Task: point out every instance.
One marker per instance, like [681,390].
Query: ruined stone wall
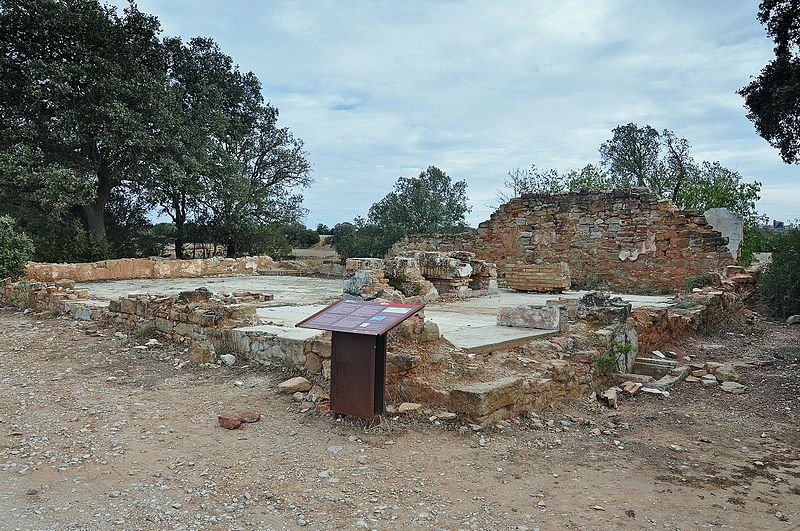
[126,268]
[622,239]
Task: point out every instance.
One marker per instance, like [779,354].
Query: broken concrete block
[546,317]
[483,398]
[793,320]
[293,385]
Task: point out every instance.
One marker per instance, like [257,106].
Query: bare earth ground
[96,434]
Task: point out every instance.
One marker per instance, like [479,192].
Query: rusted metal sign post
[358,351]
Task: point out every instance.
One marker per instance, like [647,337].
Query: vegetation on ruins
[430,203]
[641,156]
[779,284]
[103,122]
[15,249]
[773,98]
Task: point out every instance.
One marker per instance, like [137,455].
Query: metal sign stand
[358,352]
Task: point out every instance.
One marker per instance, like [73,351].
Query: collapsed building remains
[629,240]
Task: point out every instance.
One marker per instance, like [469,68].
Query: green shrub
[363,240]
[609,363]
[16,249]
[780,281]
[702,280]
[405,285]
[299,236]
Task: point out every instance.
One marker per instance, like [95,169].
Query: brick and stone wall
[126,268]
[622,239]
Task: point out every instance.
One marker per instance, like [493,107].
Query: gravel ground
[96,433]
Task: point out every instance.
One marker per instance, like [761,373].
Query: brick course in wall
[622,239]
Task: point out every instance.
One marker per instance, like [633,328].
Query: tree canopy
[773,98]
[428,203]
[661,161]
[95,105]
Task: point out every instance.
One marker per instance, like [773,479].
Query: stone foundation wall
[622,239]
[127,268]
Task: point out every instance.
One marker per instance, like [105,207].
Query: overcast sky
[379,90]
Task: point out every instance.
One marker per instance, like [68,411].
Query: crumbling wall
[622,239]
[420,275]
[126,268]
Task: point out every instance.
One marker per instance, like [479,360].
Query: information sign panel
[360,317]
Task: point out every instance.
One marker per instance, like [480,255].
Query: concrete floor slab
[469,324]
[287,290]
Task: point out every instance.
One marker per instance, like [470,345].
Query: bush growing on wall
[15,249]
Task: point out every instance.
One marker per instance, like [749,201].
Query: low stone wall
[128,268]
[622,239]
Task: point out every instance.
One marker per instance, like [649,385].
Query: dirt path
[97,434]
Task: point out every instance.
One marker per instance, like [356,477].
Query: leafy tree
[590,177]
[429,203]
[520,182]
[773,98]
[780,282]
[256,174]
[297,235]
[15,249]
[712,185]
[363,240]
[79,85]
[323,229]
[632,156]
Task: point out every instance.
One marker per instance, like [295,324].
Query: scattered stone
[631,387]
[248,417]
[230,421]
[408,407]
[659,354]
[692,379]
[201,352]
[675,448]
[317,394]
[709,380]
[32,492]
[611,396]
[704,439]
[114,494]
[734,388]
[228,359]
[446,415]
[362,459]
[793,320]
[293,385]
[726,373]
[299,396]
[430,331]
[699,373]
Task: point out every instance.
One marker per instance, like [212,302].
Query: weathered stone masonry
[622,239]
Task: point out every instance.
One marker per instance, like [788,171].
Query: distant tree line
[103,122]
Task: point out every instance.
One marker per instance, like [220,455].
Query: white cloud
[383,89]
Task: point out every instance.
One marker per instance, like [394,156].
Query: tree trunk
[95,216]
[95,213]
[180,230]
